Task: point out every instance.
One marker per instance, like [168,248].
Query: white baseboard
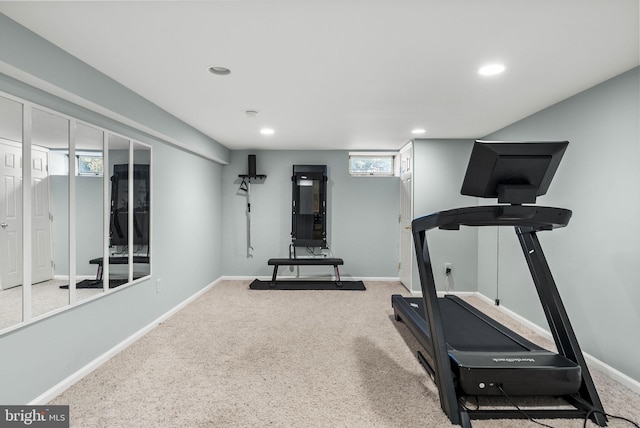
[242,278]
[611,372]
[343,277]
[59,388]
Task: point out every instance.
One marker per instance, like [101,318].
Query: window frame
[91,155]
[393,155]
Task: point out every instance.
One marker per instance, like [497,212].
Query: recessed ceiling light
[418,131]
[267,131]
[220,71]
[491,69]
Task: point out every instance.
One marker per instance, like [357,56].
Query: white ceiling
[350,74]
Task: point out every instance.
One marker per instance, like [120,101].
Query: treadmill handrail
[536,217]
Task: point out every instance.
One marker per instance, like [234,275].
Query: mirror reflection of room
[141,210]
[310,206]
[309,203]
[50,201]
[89,187]
[70,226]
[121,221]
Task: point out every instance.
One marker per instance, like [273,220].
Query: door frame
[405,264]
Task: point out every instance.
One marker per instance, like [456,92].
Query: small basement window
[90,164]
[366,164]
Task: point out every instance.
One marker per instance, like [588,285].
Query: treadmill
[467,353]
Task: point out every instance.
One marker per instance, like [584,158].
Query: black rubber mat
[307,285]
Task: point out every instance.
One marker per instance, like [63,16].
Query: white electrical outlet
[158,285]
[447,268]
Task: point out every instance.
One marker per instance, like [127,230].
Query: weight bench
[116,260]
[335,262]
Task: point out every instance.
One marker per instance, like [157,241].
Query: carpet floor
[236,357]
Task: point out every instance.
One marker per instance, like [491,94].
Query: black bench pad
[303,262]
[116,260]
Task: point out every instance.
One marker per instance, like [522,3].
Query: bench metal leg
[338,281]
[273,277]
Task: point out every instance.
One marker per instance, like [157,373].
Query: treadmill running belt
[466,331]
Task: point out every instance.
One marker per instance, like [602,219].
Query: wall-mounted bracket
[249,177]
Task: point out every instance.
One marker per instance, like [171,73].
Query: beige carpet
[46,296]
[250,358]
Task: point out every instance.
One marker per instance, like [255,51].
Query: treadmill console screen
[513,172]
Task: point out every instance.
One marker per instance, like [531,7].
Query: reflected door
[406,214]
[10,215]
[42,263]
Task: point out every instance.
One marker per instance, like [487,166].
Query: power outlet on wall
[158,285]
[447,269]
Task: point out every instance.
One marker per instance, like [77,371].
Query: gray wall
[595,258]
[439,167]
[362,215]
[186,223]
[73,338]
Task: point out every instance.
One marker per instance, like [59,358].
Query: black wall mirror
[309,206]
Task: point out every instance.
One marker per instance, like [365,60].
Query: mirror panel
[49,212]
[90,202]
[10,212]
[89,211]
[118,269]
[141,210]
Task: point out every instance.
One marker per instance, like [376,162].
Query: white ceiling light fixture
[267,131]
[491,69]
[418,131]
[219,71]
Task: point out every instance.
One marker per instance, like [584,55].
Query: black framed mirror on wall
[309,206]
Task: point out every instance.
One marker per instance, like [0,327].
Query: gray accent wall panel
[186,256]
[439,168]
[595,258]
[362,226]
